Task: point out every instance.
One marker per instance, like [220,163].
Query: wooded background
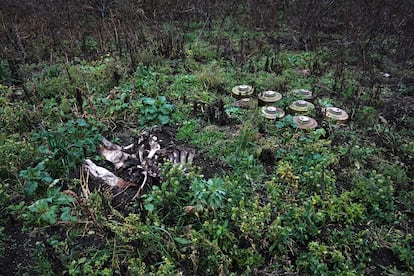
[36,30]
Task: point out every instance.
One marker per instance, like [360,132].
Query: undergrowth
[321,202]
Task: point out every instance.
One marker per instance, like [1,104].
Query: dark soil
[397,110]
[210,168]
[381,258]
[18,247]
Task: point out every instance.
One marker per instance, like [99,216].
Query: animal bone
[141,162]
[190,157]
[141,153]
[183,156]
[109,145]
[176,156]
[142,185]
[116,157]
[143,136]
[154,146]
[106,176]
[128,147]
[114,154]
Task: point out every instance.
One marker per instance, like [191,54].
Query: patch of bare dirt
[18,248]
[397,110]
[382,258]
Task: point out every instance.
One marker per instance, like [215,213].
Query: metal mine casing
[336,114]
[303,94]
[242,91]
[244,103]
[305,122]
[268,97]
[272,112]
[301,106]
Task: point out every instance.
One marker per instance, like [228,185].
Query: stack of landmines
[141,161]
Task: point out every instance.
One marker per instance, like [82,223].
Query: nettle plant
[155,110]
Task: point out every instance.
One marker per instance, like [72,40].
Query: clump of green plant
[192,133]
[201,51]
[209,193]
[155,111]
[16,118]
[273,82]
[405,250]
[376,192]
[16,153]
[93,262]
[155,241]
[211,75]
[322,259]
[147,81]
[3,240]
[41,263]
[252,217]
[5,76]
[147,57]
[56,206]
[187,87]
[35,177]
[65,147]
[171,195]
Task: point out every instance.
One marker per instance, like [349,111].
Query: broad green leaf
[50,215]
[182,241]
[39,206]
[166,109]
[149,207]
[149,101]
[47,178]
[40,166]
[164,119]
[30,187]
[82,260]
[66,214]
[64,199]
[82,122]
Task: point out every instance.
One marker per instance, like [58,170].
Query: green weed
[155,111]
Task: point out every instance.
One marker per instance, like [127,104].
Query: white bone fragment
[154,146]
[106,176]
[190,157]
[145,173]
[101,173]
[176,156]
[109,145]
[128,147]
[116,157]
[183,156]
[141,153]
